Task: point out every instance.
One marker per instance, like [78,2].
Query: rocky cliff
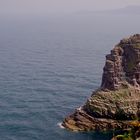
[116,102]
[123,64]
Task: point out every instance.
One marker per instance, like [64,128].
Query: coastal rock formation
[116,102]
[123,64]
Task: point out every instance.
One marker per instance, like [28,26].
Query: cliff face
[123,64]
[117,100]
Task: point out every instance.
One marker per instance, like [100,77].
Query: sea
[49,66]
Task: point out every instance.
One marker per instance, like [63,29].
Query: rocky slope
[117,101]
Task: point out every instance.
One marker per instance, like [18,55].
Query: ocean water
[49,66]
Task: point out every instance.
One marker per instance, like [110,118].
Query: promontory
[117,100]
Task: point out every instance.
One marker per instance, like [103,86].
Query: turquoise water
[49,67]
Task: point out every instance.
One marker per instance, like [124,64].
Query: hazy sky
[60,6]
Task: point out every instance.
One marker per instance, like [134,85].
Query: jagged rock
[117,100]
[123,64]
[81,121]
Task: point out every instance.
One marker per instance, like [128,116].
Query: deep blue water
[49,66]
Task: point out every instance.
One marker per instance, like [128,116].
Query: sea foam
[60,125]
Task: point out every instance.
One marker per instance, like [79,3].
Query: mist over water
[49,66]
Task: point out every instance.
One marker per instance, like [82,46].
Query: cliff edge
[117,100]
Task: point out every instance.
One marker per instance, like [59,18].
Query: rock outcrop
[123,64]
[116,102]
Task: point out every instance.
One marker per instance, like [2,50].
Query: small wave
[60,125]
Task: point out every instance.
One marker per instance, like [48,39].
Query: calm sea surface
[49,67]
